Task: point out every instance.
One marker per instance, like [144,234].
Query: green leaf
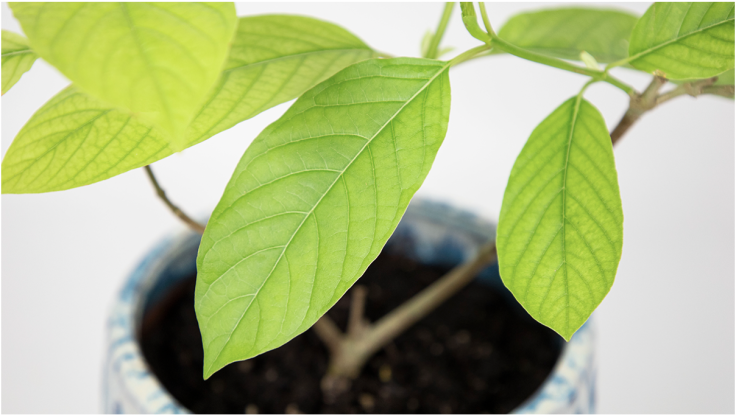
[312,202]
[684,40]
[17,58]
[74,140]
[589,60]
[560,231]
[273,59]
[155,59]
[565,32]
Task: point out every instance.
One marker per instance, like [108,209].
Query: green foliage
[158,60]
[560,231]
[684,40]
[74,140]
[312,202]
[564,33]
[274,59]
[69,142]
[17,59]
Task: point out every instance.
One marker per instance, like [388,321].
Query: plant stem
[639,104]
[469,54]
[196,226]
[559,64]
[435,43]
[486,22]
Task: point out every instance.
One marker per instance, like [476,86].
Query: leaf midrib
[575,111]
[18,52]
[311,211]
[669,42]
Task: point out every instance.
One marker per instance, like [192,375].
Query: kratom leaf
[155,59]
[74,140]
[273,59]
[312,202]
[17,58]
[684,40]
[560,231]
[566,32]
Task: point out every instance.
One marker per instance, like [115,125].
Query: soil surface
[474,354]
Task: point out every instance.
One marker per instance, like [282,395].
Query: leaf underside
[17,59]
[684,40]
[560,231]
[69,142]
[155,59]
[566,32]
[312,202]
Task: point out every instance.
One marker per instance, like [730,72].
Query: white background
[666,330]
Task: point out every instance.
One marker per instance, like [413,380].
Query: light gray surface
[666,328]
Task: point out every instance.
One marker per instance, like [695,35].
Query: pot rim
[575,366]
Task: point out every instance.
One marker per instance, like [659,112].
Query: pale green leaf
[589,60]
[312,202]
[560,231]
[74,140]
[273,59]
[566,32]
[17,58]
[155,59]
[684,40]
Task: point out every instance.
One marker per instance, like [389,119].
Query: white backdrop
[666,330]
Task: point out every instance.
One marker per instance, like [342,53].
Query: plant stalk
[437,38]
[560,64]
[194,225]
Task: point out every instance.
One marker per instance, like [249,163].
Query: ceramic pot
[430,232]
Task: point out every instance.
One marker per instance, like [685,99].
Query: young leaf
[589,60]
[560,231]
[74,140]
[564,33]
[684,40]
[17,59]
[156,59]
[273,59]
[312,202]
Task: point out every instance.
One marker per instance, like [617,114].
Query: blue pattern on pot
[430,232]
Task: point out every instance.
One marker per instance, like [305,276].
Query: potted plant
[558,243]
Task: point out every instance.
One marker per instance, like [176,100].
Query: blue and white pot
[430,232]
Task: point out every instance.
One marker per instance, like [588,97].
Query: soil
[477,353]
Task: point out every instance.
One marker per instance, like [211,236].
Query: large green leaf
[74,140]
[155,59]
[273,59]
[684,40]
[312,202]
[566,32]
[17,58]
[560,231]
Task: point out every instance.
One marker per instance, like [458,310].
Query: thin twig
[356,322]
[328,332]
[650,98]
[196,226]
[638,105]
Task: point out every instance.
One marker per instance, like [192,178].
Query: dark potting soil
[474,354]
